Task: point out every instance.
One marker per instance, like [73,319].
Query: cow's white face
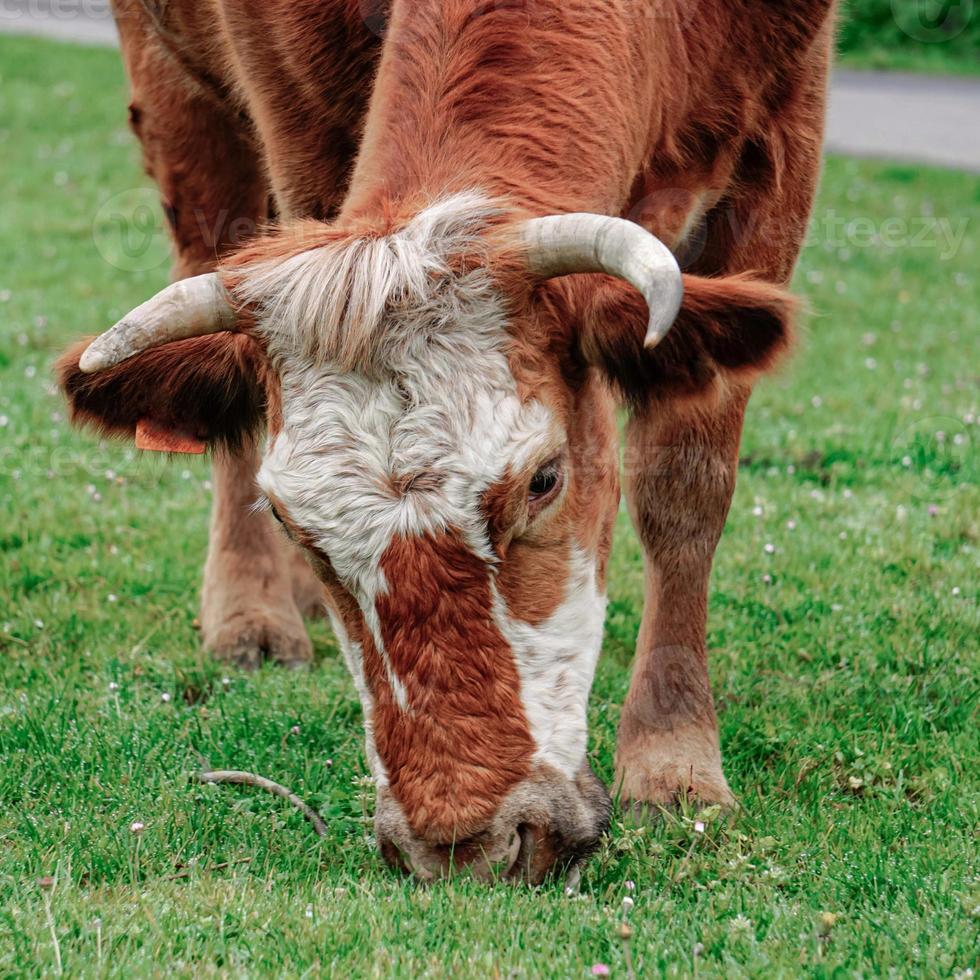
[455,496]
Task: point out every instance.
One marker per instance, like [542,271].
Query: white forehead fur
[399,410]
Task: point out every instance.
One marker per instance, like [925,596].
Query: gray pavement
[918,118]
[895,116]
[81,21]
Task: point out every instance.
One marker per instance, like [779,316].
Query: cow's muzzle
[542,827]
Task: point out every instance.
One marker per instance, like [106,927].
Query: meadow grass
[844,656]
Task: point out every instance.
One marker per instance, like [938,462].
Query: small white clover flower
[137,827]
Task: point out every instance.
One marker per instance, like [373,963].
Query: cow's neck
[529,102]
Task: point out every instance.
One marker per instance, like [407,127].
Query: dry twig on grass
[251,779]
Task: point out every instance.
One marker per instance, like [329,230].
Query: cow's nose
[483,858]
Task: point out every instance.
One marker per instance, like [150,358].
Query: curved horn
[188,308]
[560,245]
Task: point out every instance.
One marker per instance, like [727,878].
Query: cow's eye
[546,482]
[278,517]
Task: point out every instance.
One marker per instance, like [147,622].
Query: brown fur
[217,388]
[734,327]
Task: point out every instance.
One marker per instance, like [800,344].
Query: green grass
[846,684]
[938,36]
[922,59]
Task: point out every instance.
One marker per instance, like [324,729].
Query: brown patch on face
[582,403]
[463,742]
[533,580]
[533,572]
[594,492]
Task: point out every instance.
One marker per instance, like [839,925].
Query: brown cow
[437,388]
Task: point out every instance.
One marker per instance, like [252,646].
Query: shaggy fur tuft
[347,303]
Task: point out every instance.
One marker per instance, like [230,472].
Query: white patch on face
[556,663]
[406,442]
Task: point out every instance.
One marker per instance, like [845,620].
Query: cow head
[441,441]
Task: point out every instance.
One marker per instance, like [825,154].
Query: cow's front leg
[680,474]
[249,605]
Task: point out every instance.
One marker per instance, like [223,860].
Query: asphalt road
[82,21]
[916,118]
[919,118]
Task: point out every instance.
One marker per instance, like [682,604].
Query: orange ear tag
[159,440]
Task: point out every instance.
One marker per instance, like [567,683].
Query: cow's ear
[732,326]
[217,389]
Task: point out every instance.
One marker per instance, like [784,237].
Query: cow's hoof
[644,797]
[649,779]
[247,639]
